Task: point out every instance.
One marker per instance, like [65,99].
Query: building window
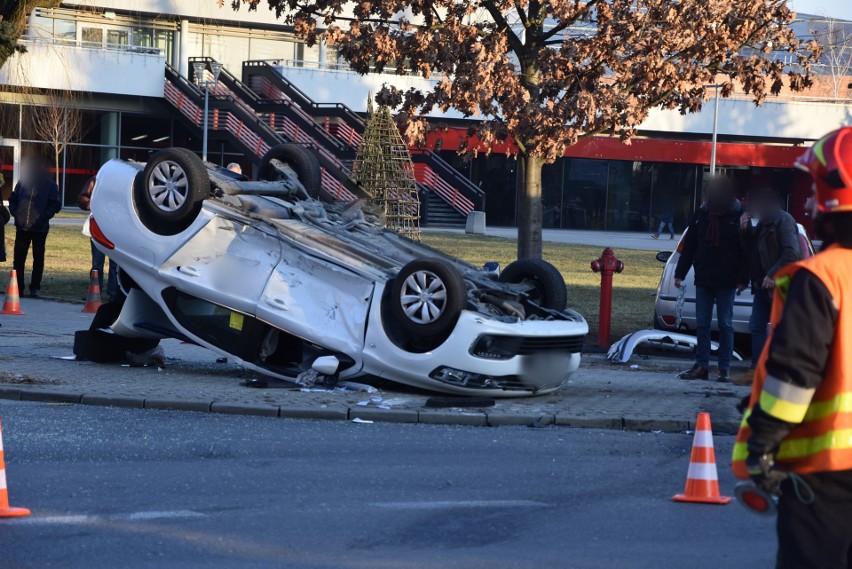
[92,37]
[117,37]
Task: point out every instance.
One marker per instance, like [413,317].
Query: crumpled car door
[227,262]
[318,301]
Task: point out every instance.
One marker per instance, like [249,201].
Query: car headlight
[496,347]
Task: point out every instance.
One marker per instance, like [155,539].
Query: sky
[841,9]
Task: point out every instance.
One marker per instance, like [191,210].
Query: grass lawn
[68,259]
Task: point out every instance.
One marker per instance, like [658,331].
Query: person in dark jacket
[772,243]
[33,203]
[5,216]
[713,246]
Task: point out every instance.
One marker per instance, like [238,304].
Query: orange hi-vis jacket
[822,441]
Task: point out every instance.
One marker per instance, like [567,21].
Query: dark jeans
[723,299]
[759,321]
[817,535]
[98,262]
[23,239]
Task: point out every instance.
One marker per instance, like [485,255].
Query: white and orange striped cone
[702,480]
[12,302]
[5,510]
[93,296]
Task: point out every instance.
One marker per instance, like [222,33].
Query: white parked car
[674,308]
[268,275]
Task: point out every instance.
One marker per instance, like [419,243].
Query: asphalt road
[142,488]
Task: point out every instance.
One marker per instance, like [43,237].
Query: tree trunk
[529,207]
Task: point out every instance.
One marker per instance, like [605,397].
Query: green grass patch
[73,214]
[68,260]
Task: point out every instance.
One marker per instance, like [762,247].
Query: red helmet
[829,162]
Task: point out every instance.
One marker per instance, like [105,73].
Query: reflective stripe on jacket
[822,441]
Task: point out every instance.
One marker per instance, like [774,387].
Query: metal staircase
[231,117]
[433,173]
[264,109]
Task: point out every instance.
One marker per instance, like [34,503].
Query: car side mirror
[326,365]
[664,256]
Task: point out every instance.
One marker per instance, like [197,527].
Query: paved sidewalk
[646,397]
[614,239]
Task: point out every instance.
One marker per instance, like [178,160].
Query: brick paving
[600,394]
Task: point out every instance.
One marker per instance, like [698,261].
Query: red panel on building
[653,150]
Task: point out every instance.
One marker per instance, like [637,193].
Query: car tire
[169,192]
[550,290]
[302,160]
[428,319]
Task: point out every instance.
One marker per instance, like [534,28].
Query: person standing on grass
[33,203]
[98,258]
[713,246]
[772,242]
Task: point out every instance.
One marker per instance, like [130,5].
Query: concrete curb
[451,416]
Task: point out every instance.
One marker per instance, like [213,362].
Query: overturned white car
[266,274]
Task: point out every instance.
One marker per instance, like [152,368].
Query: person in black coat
[33,203]
[714,248]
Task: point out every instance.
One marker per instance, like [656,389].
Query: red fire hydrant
[606,266]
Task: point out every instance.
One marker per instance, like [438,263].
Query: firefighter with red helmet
[795,439]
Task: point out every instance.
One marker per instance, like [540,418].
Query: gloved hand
[761,469]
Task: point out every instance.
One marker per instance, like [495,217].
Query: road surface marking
[447,504]
[80,519]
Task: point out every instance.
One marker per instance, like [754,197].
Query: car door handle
[190,271]
[278,303]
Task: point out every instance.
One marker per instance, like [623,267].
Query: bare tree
[59,124]
[548,73]
[835,37]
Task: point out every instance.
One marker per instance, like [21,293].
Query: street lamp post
[199,67]
[715,130]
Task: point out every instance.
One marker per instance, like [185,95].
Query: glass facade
[103,135]
[230,45]
[610,195]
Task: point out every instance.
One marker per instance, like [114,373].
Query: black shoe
[33,293]
[695,372]
[724,376]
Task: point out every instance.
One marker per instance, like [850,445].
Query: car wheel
[169,192]
[549,290]
[427,298]
[302,160]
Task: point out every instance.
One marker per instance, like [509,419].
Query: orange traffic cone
[12,303]
[702,480]
[93,296]
[5,510]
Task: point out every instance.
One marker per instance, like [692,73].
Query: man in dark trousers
[772,240]
[34,202]
[713,246]
[795,439]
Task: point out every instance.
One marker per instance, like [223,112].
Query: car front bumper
[452,367]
